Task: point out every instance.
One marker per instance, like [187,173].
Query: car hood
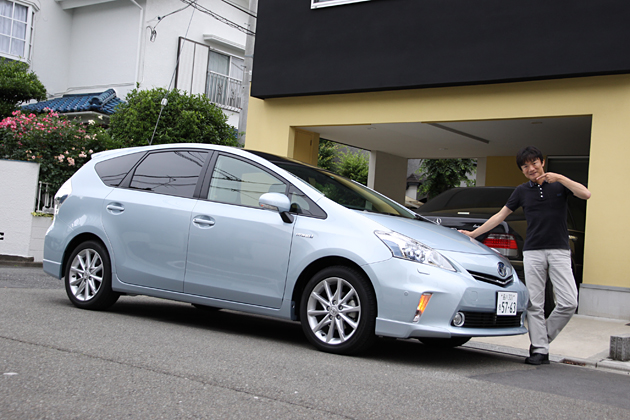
[437,237]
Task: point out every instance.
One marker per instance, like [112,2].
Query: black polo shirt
[545,208]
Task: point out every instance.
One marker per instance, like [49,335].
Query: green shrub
[185,118]
[59,145]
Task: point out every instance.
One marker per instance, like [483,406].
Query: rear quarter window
[113,171]
[172,172]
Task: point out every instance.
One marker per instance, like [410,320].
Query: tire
[88,278]
[444,343]
[338,311]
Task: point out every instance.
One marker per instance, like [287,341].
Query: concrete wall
[18,187]
[39,227]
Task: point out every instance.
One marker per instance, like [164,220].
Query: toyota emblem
[502,269]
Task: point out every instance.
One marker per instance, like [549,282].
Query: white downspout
[140,31]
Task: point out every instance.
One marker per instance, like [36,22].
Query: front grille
[491,279]
[491,320]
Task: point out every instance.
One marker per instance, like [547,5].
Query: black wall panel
[401,44]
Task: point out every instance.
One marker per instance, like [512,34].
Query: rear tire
[88,277]
[338,311]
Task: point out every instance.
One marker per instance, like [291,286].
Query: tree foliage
[351,164]
[326,155]
[443,174]
[354,165]
[185,118]
[17,85]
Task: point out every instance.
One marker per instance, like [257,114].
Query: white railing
[45,198]
[224,91]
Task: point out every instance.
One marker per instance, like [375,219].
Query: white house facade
[86,46]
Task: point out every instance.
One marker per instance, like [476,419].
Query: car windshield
[343,191]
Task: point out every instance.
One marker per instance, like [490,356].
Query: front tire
[88,278]
[338,311]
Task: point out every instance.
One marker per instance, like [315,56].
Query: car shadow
[396,351]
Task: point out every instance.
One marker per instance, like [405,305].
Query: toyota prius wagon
[226,228]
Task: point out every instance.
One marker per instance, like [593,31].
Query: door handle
[115,208]
[203,221]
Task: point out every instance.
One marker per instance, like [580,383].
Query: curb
[17,261]
[609,364]
[24,264]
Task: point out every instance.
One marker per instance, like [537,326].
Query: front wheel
[88,278]
[338,311]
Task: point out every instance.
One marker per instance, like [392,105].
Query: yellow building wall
[501,171]
[271,125]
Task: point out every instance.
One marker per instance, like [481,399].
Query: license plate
[506,303]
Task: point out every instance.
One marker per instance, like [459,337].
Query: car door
[238,251]
[147,219]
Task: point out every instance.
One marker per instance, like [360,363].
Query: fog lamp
[422,305]
[459,319]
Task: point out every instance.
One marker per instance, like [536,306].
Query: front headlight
[409,249]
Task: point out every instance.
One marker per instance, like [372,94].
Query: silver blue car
[225,228]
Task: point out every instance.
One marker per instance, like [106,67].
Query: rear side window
[172,172]
[113,171]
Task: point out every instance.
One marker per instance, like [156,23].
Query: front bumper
[399,285]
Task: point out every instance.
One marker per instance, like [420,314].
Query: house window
[15,29]
[223,83]
[325,3]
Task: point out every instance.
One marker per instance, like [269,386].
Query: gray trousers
[556,263]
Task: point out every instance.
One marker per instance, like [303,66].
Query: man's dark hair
[528,154]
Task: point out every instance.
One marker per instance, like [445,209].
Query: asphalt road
[148,358]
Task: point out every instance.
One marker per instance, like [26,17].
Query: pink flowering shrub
[59,145]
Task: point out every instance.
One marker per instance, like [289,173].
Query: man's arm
[579,190]
[490,224]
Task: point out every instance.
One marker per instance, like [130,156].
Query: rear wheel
[338,311]
[88,277]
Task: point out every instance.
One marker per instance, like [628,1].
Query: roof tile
[103,102]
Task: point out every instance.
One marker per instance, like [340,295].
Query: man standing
[546,250]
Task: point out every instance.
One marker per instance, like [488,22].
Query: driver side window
[237,182]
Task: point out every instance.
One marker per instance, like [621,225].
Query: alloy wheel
[86,275]
[333,310]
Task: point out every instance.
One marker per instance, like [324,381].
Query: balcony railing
[224,91]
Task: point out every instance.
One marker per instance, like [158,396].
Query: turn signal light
[422,305]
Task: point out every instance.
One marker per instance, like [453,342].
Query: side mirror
[277,202]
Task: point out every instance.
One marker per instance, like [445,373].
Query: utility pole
[247,73]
